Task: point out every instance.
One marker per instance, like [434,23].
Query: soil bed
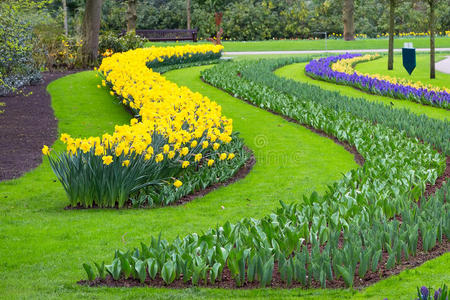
[28,123]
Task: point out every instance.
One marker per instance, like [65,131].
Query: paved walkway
[444,65]
[323,51]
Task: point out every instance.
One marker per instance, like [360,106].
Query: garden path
[444,65]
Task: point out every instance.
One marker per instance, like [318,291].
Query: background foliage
[17,67]
[267,19]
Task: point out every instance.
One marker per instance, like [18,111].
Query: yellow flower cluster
[181,116]
[347,66]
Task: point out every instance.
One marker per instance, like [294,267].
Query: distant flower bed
[339,69]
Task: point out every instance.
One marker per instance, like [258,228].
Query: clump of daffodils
[174,125]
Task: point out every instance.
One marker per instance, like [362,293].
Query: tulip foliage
[349,231]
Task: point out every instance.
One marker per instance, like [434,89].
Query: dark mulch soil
[228,282]
[27,124]
[240,174]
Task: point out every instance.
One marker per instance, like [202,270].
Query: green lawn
[297,72]
[286,45]
[421,72]
[43,246]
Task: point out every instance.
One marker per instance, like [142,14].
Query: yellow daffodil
[159,157]
[177,183]
[45,150]
[107,160]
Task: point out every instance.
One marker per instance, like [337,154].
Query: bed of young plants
[339,69]
[178,142]
[391,210]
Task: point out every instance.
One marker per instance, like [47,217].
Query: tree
[432,21]
[217,6]
[188,13]
[131,16]
[66,27]
[348,18]
[392,4]
[91,29]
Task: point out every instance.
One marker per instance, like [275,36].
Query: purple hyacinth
[322,68]
[424,291]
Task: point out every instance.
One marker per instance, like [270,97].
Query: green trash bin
[409,57]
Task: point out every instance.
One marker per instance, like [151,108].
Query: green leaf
[153,267]
[348,277]
[114,269]
[101,270]
[168,272]
[375,259]
[214,272]
[126,267]
[141,270]
[89,271]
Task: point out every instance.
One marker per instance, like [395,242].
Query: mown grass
[292,45]
[297,72]
[43,245]
[421,72]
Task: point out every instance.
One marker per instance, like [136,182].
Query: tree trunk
[91,29]
[131,16]
[349,26]
[188,13]
[432,46]
[391,34]
[66,27]
[218,18]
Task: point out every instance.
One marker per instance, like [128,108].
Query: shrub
[17,67]
[110,42]
[53,50]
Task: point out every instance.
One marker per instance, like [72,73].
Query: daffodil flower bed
[178,142]
[339,69]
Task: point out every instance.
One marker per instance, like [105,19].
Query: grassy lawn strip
[421,72]
[292,45]
[44,245]
[297,72]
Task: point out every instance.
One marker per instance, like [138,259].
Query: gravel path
[330,51]
[444,65]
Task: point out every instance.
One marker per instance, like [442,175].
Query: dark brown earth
[27,124]
[228,282]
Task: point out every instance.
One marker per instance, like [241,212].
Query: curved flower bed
[326,69]
[347,66]
[350,234]
[178,142]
